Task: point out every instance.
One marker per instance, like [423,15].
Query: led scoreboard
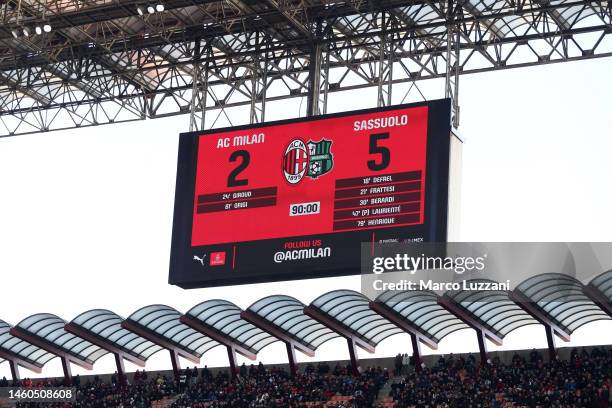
[295,199]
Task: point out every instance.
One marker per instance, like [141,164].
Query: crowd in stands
[582,381]
[531,381]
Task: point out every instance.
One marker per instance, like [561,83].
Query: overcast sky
[86,214]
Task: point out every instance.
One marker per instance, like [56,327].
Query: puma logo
[200,260]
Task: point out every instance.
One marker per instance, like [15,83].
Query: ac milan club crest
[313,160]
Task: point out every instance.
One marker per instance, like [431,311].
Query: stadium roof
[561,299]
[351,310]
[493,309]
[105,61]
[421,310]
[47,331]
[287,315]
[560,302]
[12,347]
[599,290]
[105,326]
[162,324]
[221,318]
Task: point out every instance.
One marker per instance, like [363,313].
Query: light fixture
[47,28]
[150,9]
[139,10]
[26,31]
[38,30]
[160,7]
[15,33]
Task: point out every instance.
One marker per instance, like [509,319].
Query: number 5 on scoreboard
[384,152]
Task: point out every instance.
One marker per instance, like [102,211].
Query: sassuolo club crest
[312,159]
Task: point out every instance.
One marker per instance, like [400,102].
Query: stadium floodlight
[150,9]
[26,31]
[38,30]
[160,7]
[139,10]
[47,28]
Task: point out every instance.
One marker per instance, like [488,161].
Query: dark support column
[353,354]
[67,371]
[550,340]
[231,355]
[416,352]
[120,369]
[292,360]
[176,364]
[482,347]
[314,72]
[14,371]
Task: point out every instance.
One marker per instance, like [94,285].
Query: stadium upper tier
[108,61]
[559,302]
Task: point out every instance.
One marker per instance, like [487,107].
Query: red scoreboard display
[295,199]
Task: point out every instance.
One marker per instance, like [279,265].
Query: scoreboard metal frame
[185,273]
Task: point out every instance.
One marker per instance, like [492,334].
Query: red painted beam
[597,296]
[159,340]
[51,348]
[6,355]
[403,323]
[458,310]
[106,345]
[214,334]
[275,331]
[529,306]
[338,328]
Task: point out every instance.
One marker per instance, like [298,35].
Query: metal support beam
[14,371]
[355,368]
[157,339]
[103,343]
[219,337]
[550,342]
[338,328]
[314,81]
[292,360]
[532,308]
[176,364]
[67,371]
[49,347]
[416,352]
[231,356]
[403,324]
[482,347]
[275,331]
[120,369]
[458,310]
[597,296]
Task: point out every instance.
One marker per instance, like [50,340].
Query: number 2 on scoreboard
[232,180]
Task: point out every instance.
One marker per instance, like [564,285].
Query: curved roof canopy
[492,308]
[14,347]
[163,322]
[351,310]
[562,299]
[49,329]
[420,308]
[106,325]
[603,283]
[287,314]
[223,318]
